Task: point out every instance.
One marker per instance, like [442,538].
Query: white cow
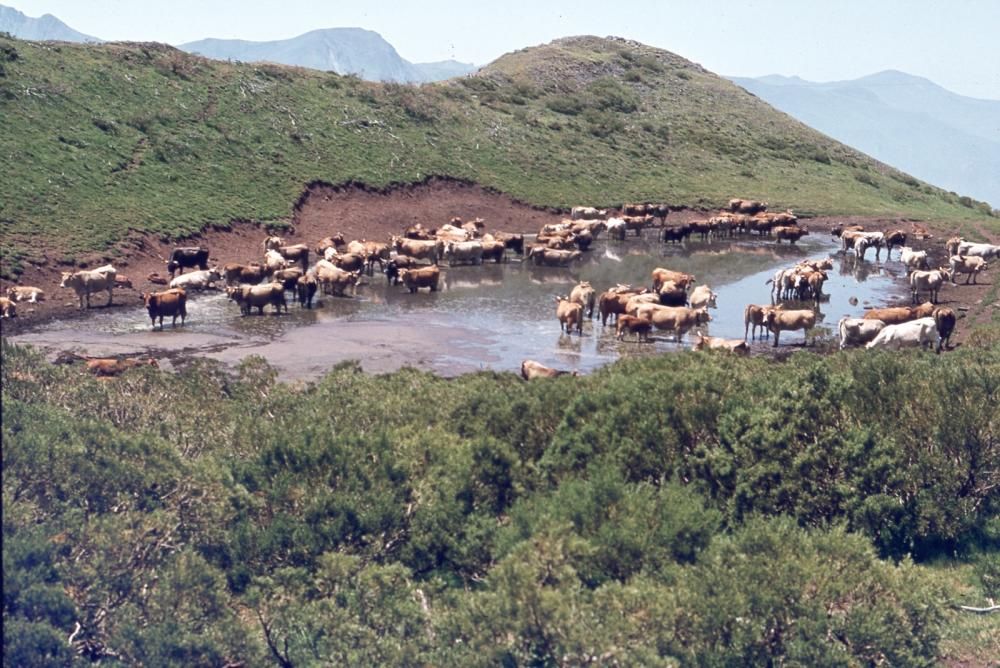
[273,260]
[86,282]
[197,280]
[912,259]
[856,331]
[928,281]
[985,251]
[920,332]
[464,252]
[702,296]
[616,228]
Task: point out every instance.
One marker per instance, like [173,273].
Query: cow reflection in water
[570,343]
[851,265]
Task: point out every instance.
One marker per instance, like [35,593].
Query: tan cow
[970,265]
[421,250]
[790,232]
[25,293]
[334,280]
[530,370]
[424,277]
[778,321]
[678,319]
[894,315]
[661,276]
[86,282]
[250,296]
[584,295]
[735,346]
[570,315]
[7,308]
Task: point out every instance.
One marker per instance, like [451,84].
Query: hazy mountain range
[46,27]
[906,121]
[342,50]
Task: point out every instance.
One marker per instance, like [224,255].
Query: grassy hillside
[97,140]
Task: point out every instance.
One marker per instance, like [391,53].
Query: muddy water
[488,317]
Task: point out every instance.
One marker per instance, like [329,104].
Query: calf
[631,324]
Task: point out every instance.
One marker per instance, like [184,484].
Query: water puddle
[488,317]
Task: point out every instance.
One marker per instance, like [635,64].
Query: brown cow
[107,367]
[171,302]
[631,324]
[790,232]
[945,320]
[7,308]
[305,289]
[894,315]
[235,273]
[613,303]
[421,250]
[570,314]
[780,321]
[424,277]
[249,296]
[530,369]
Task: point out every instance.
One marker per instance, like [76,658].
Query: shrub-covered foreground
[680,510]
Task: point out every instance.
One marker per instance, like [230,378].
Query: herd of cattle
[673,303]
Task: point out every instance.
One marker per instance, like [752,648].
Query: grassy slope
[97,140]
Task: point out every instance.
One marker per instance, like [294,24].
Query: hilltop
[101,142]
[881,114]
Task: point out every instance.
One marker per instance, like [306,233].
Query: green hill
[101,140]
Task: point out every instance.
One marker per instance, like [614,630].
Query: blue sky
[953,43]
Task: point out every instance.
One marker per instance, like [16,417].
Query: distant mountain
[46,27]
[906,121]
[341,50]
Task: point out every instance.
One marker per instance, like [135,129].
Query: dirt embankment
[361,212]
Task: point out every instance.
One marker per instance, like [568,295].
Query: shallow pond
[489,317]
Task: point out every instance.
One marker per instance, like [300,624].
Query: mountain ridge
[357,51]
[45,27]
[882,114]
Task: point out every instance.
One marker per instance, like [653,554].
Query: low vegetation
[102,141]
[685,509]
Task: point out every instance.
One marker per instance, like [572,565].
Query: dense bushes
[686,508]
